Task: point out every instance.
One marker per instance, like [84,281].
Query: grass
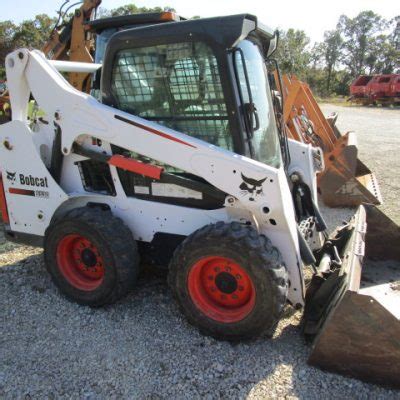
[338,100]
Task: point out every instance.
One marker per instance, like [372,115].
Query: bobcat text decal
[30,180]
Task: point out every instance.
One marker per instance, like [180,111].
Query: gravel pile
[142,347]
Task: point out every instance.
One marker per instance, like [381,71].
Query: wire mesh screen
[177,85]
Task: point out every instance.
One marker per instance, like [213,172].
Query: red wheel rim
[80,262]
[221,289]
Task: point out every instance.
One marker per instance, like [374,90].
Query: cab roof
[99,25]
[226,30]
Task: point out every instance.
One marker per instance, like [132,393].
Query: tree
[34,33]
[292,52]
[131,9]
[393,53]
[7,30]
[395,35]
[366,43]
[357,35]
[332,52]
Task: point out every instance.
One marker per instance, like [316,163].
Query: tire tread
[242,237]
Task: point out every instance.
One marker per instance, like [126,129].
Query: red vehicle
[394,88]
[376,89]
[358,89]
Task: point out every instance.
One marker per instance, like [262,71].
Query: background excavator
[350,308]
[70,40]
[73,41]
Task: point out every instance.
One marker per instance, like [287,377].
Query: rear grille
[96,177]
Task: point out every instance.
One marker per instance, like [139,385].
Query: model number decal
[41,193]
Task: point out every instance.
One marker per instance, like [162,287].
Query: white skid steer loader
[184,162]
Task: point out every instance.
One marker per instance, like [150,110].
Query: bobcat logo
[252,187]
[11,176]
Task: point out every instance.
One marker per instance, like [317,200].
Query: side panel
[32,194]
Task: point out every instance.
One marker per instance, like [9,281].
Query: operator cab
[204,77]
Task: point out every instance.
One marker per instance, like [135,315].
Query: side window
[253,84]
[177,85]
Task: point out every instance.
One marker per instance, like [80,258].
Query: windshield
[265,140]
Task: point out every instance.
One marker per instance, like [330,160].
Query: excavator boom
[74,42]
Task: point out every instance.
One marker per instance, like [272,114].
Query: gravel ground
[378,135]
[142,348]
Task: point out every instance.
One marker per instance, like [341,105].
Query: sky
[312,16]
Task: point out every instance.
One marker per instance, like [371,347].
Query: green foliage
[359,34]
[292,53]
[366,43]
[33,33]
[331,52]
[7,30]
[132,9]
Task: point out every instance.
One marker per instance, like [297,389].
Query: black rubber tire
[116,246]
[262,262]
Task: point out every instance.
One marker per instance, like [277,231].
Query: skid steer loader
[346,180]
[185,162]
